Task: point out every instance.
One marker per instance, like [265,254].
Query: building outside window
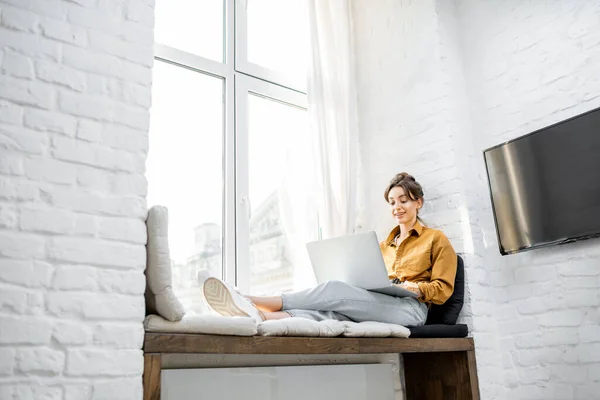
[228,97]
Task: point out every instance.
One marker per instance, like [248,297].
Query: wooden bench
[433,368]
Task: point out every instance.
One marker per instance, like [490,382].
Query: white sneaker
[225,300]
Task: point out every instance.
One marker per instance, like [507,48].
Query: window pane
[271,126]
[184,171]
[191,25]
[278,36]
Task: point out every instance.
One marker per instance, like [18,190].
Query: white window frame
[241,79]
[245,87]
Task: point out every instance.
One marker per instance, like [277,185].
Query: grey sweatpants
[338,300]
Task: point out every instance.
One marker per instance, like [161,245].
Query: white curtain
[333,115]
[319,195]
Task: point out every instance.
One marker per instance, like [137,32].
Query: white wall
[402,106]
[530,65]
[411,114]
[74,96]
[439,81]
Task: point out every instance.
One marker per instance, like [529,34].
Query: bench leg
[151,379]
[441,376]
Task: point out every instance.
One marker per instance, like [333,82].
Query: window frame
[241,79]
[247,86]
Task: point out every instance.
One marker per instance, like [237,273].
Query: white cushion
[200,323]
[374,329]
[244,326]
[330,328]
[300,327]
[160,298]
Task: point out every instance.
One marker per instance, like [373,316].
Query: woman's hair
[411,187]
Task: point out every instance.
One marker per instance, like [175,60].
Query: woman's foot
[225,300]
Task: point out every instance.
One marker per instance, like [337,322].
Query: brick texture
[439,82]
[72,196]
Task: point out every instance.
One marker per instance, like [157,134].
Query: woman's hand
[413,287]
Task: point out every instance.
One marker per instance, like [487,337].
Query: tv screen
[545,186]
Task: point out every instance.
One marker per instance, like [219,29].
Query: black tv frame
[487,173]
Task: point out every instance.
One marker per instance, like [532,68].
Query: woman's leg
[329,300]
[275,315]
[357,304]
[266,303]
[271,308]
[317,315]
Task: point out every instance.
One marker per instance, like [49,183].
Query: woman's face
[404,209]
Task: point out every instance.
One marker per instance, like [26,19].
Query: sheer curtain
[333,114]
[319,195]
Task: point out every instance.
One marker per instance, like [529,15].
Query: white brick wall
[411,99]
[399,110]
[528,67]
[439,81]
[75,80]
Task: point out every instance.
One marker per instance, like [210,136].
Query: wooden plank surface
[473,374]
[151,378]
[216,344]
[439,376]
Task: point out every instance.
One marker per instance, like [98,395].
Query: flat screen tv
[545,186]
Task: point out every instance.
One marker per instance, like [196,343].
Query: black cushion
[439,331]
[447,313]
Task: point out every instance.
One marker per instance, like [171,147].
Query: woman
[417,258]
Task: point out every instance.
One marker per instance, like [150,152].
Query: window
[269,117]
[181,24]
[228,94]
[272,40]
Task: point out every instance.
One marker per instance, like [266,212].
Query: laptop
[356,260]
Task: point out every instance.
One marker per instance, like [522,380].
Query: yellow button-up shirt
[425,257]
